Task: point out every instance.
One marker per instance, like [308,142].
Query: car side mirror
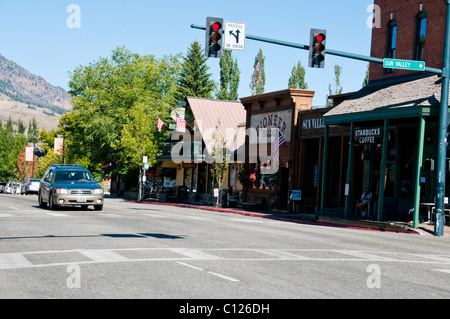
[98,180]
[46,179]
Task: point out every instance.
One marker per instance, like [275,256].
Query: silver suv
[69,185]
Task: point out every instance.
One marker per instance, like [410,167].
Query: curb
[319,220]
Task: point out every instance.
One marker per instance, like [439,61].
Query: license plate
[81,200]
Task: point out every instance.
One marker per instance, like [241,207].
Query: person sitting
[363,203]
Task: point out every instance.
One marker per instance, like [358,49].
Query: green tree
[11,144]
[135,142]
[337,89]
[366,79]
[105,95]
[258,79]
[21,128]
[194,79]
[229,77]
[220,164]
[297,79]
[32,128]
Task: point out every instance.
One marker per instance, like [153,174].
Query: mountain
[24,95]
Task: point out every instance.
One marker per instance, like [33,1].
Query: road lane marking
[434,257]
[194,253]
[111,215]
[102,255]
[14,260]
[443,270]
[156,216]
[57,214]
[247,220]
[364,256]
[222,276]
[209,272]
[282,254]
[191,266]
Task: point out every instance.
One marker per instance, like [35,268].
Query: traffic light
[214,32]
[317,48]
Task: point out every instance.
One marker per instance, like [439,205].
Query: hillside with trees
[24,96]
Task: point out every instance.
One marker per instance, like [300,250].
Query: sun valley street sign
[404,64]
[234,36]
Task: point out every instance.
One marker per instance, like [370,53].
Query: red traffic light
[320,37]
[216,26]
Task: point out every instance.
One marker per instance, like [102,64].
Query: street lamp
[64,124]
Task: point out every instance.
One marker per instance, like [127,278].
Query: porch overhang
[415,95]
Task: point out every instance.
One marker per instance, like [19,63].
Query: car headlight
[98,191]
[61,191]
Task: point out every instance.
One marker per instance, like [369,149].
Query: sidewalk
[312,219]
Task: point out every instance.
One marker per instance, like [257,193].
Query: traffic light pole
[443,119]
[443,124]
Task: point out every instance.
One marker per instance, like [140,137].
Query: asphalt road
[132,250]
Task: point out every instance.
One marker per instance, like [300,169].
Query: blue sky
[35,35]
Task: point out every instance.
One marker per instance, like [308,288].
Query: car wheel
[51,206]
[98,207]
[42,204]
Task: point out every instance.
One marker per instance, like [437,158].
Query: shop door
[284,180]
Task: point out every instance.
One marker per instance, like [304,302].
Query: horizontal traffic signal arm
[331,52]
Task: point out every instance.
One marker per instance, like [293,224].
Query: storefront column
[418,166]
[383,169]
[349,174]
[324,170]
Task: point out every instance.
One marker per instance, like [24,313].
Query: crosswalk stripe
[13,260]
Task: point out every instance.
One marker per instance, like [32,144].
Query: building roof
[231,114]
[405,96]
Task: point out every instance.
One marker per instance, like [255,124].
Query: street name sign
[234,36]
[404,64]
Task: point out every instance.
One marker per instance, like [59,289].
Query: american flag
[181,123]
[276,147]
[160,124]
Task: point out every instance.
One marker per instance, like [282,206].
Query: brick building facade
[406,17]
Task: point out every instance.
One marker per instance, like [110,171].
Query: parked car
[69,185]
[9,188]
[31,186]
[3,187]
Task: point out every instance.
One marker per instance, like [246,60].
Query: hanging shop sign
[265,122]
[368,135]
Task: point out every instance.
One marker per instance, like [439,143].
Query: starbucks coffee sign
[368,135]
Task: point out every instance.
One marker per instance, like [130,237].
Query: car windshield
[73,176]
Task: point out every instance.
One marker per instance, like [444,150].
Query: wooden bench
[446,214]
[251,203]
